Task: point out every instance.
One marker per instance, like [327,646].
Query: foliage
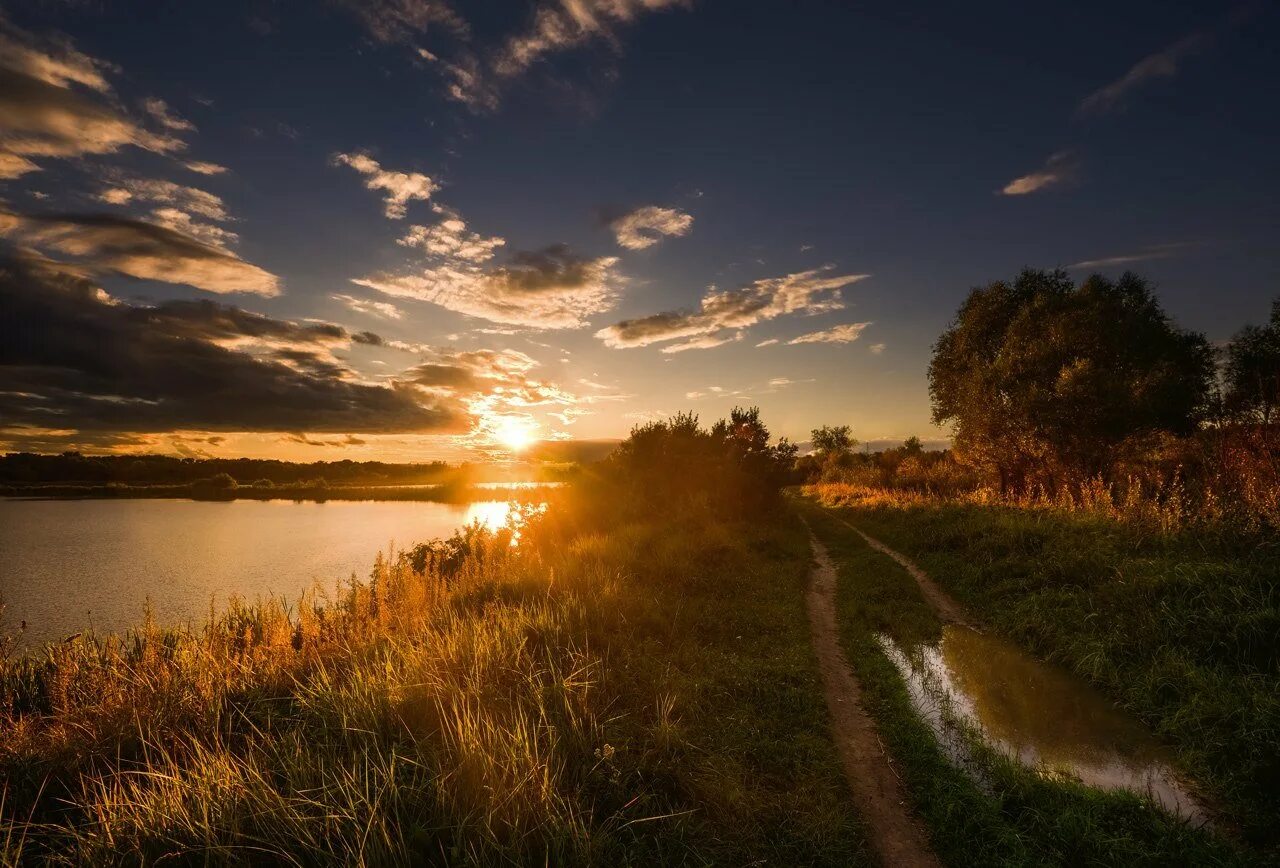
[1044,380]
[1252,371]
[675,464]
[832,440]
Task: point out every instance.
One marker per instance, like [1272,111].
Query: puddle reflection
[1040,715]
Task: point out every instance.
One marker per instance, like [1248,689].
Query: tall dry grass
[418,716]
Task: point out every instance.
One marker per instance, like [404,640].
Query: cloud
[72,357]
[160,110]
[1162,64]
[876,349]
[648,225]
[807,292]
[841,334]
[14,166]
[555,26]
[140,249]
[383,309]
[1157,251]
[1058,169]
[702,342]
[123,189]
[546,289]
[399,188]
[770,342]
[401,20]
[56,102]
[451,238]
[563,25]
[203,168]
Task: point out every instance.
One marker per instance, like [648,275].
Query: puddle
[1040,715]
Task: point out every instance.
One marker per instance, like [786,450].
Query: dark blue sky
[766,139]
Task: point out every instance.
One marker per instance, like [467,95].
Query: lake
[68,565]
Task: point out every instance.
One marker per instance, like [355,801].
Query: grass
[638,694]
[1014,817]
[1179,628]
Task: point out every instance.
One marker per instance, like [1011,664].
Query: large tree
[1253,371]
[1042,378]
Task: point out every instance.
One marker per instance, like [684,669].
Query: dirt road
[879,795]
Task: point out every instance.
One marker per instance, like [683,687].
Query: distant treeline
[26,468]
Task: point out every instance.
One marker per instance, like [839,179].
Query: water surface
[68,565]
[1040,715]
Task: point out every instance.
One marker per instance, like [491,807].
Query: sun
[514,432]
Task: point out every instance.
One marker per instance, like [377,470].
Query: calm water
[1041,715]
[66,565]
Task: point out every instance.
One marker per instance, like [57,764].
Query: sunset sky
[418,229]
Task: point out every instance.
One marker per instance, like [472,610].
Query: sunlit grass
[581,698]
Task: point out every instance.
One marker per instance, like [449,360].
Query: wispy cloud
[1058,169]
[398,188]
[841,334]
[55,102]
[648,225]
[160,110]
[1156,251]
[770,342]
[401,20]
[552,288]
[555,26]
[450,238]
[723,313]
[141,249]
[203,168]
[382,309]
[877,349]
[1163,64]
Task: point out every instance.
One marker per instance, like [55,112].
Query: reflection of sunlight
[490,513]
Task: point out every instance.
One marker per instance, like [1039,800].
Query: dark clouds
[71,357]
[55,102]
[140,249]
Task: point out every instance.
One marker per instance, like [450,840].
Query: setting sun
[513,432]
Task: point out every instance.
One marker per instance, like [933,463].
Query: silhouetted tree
[832,440]
[676,464]
[1043,379]
[1253,371]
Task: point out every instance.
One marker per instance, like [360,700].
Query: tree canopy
[1043,379]
[1252,372]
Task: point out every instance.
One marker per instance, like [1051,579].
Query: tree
[1042,379]
[676,464]
[1253,371]
[832,440]
[912,446]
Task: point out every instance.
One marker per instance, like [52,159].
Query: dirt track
[879,795]
[946,608]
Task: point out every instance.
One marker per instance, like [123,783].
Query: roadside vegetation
[993,811]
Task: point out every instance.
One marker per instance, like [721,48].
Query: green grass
[638,694]
[1167,628]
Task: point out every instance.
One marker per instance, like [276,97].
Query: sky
[421,229]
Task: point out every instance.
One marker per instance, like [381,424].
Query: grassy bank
[1180,629]
[640,694]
